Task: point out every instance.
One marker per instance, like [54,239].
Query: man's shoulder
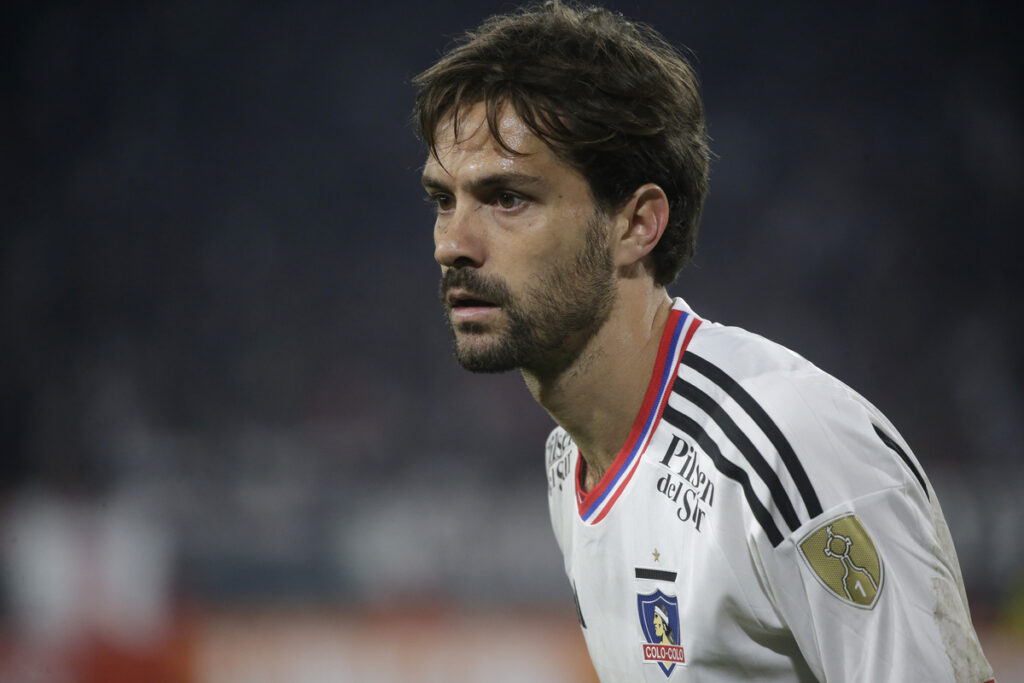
[765,406]
[742,362]
[743,353]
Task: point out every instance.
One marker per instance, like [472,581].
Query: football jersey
[762,522]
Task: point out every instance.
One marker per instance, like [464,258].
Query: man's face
[526,270]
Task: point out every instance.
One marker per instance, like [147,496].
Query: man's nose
[458,238]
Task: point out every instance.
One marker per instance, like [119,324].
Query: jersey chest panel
[664,583]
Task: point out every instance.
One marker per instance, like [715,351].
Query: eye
[442,202]
[508,200]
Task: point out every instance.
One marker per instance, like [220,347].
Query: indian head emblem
[845,561]
[659,619]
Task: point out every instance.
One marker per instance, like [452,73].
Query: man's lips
[461,298]
[467,306]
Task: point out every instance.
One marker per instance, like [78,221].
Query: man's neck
[597,397]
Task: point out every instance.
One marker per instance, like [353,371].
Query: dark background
[217,292]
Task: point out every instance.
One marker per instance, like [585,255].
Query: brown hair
[610,97]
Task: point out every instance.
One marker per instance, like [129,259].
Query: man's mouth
[461,299]
[469,307]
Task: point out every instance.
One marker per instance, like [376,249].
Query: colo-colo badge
[659,619]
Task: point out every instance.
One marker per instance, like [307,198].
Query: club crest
[842,556]
[659,620]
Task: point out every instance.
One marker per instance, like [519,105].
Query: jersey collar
[593,505]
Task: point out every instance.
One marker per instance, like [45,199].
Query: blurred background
[235,445]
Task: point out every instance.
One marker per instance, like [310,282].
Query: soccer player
[727,511]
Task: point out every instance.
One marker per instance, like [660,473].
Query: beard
[548,324]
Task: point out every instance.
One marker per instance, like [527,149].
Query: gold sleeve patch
[842,556]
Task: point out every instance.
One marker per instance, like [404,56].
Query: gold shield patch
[844,559]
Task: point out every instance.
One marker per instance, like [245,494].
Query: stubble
[547,325]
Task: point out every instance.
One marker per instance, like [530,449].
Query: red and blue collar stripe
[594,504]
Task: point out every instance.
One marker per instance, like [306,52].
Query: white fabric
[748,605]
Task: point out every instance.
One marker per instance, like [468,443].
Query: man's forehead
[472,143]
[469,130]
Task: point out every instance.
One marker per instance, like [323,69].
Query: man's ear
[641,223]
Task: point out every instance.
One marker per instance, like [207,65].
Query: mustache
[489,289]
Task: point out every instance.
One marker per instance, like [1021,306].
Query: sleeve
[870,587]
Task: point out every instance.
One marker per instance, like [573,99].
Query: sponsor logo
[659,620]
[842,556]
[686,485]
[557,450]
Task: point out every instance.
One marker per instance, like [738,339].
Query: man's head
[528,269]
[610,97]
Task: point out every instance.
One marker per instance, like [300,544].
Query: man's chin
[483,355]
[469,329]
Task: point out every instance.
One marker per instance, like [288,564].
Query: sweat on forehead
[476,127]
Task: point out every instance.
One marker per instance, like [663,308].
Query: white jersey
[763,522]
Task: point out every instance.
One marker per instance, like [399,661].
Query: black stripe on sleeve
[731,430]
[764,422]
[729,469]
[891,443]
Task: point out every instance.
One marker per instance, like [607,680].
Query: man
[703,481]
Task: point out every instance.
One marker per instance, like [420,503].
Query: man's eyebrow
[432,183]
[488,181]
